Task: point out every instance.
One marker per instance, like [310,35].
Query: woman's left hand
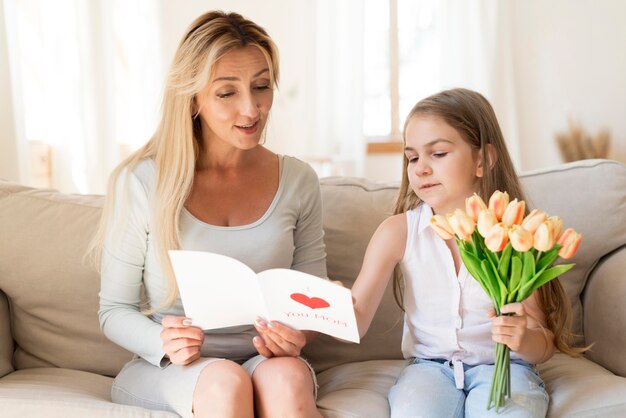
[278,340]
[510,329]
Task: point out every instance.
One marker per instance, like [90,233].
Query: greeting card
[219,291]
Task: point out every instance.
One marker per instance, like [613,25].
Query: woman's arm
[309,254]
[384,252]
[123,259]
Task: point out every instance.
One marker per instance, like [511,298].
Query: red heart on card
[313,303]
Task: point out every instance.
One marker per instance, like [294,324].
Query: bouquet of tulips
[510,256]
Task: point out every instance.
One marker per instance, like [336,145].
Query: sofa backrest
[6,340]
[590,196]
[52,289]
[53,293]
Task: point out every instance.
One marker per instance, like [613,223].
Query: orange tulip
[473,206]
[521,239]
[486,220]
[570,240]
[533,220]
[497,237]
[462,225]
[498,203]
[558,226]
[514,213]
[441,226]
[544,236]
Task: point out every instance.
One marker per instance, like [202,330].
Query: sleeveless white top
[445,314]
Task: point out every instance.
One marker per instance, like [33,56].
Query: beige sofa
[55,362]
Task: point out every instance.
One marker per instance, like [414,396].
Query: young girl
[205,182]
[453,147]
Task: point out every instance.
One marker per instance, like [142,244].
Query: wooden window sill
[385,147]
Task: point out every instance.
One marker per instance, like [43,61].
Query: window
[401,63]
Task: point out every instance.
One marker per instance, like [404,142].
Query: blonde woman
[205,182]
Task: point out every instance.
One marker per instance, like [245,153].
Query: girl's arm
[385,250]
[525,332]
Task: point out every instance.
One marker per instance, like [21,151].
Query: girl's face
[234,105]
[442,168]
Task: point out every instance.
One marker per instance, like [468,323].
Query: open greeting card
[218,291]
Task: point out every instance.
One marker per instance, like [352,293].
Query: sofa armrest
[604,313]
[6,339]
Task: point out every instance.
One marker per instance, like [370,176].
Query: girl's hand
[278,340]
[510,330]
[181,341]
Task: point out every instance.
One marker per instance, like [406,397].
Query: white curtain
[476,53]
[338,100]
[83,70]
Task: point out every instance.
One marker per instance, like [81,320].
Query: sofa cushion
[589,196]
[358,389]
[353,209]
[580,388]
[53,292]
[6,340]
[605,315]
[63,393]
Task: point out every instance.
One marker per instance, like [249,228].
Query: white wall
[570,61]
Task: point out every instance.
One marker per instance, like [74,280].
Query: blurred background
[81,80]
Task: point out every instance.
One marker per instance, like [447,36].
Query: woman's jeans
[426,388]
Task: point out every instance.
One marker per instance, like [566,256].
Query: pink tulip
[544,238]
[521,239]
[514,213]
[533,220]
[497,237]
[570,240]
[462,225]
[441,226]
[558,226]
[486,220]
[498,203]
[473,206]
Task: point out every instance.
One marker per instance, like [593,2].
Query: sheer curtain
[338,102]
[84,70]
[476,53]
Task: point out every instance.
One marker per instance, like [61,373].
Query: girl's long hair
[177,142]
[474,119]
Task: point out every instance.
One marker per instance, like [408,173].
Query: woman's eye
[412,160]
[439,154]
[225,95]
[263,87]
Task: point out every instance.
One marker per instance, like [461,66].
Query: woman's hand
[510,329]
[278,340]
[181,341]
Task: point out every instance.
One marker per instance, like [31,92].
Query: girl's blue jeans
[426,388]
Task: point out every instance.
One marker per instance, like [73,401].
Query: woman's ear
[492,157]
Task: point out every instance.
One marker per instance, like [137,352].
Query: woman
[205,182]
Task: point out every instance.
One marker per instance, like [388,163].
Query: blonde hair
[473,117]
[176,144]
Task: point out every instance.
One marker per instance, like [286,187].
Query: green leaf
[548,257]
[516,275]
[491,281]
[505,259]
[528,269]
[472,264]
[543,278]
